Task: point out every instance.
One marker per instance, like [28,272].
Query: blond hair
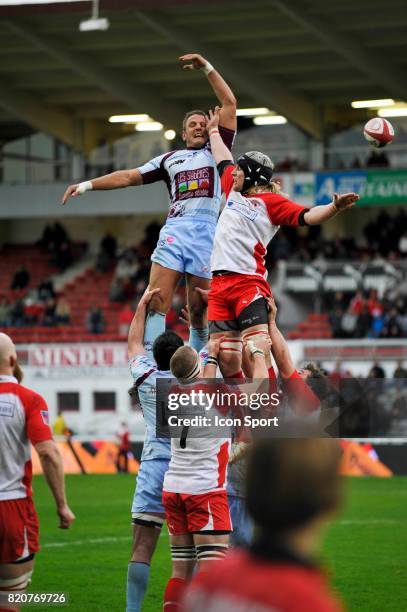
[183,361]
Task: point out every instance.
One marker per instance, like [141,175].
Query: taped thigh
[147,520]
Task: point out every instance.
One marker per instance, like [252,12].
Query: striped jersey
[23,421]
[145,374]
[191,178]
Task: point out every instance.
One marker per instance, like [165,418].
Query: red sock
[173,594]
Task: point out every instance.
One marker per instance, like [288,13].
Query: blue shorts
[242,523]
[186,246]
[149,486]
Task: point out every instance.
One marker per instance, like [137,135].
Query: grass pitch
[365,549]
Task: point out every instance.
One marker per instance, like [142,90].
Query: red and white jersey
[198,461]
[246,226]
[23,419]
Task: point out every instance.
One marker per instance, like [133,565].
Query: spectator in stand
[125,318]
[377,160]
[107,253]
[336,321]
[108,244]
[363,322]
[63,256]
[21,278]
[293,489]
[392,327]
[95,321]
[49,317]
[117,291]
[127,266]
[47,236]
[5,312]
[17,314]
[376,371]
[33,311]
[400,371]
[46,290]
[62,312]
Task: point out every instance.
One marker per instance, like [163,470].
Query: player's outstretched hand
[262,343]
[272,309]
[184,316]
[66,517]
[203,293]
[214,346]
[71,191]
[345,200]
[212,119]
[195,61]
[147,296]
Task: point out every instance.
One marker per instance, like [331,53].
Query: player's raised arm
[115,180]
[221,89]
[135,339]
[319,214]
[219,150]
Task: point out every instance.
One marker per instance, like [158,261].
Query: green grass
[365,549]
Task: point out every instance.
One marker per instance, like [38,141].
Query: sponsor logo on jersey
[244,208]
[198,183]
[178,161]
[6,409]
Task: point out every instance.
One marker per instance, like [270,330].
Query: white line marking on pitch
[87,541]
[129,538]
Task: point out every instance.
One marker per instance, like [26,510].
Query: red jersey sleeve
[36,413]
[282,211]
[226,180]
[298,389]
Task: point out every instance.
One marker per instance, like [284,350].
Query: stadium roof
[306,60]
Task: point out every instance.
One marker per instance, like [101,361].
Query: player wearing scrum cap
[186,240]
[252,215]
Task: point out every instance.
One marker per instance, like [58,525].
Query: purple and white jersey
[192,179]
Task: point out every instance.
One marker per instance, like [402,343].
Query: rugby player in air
[254,210]
[186,240]
[148,515]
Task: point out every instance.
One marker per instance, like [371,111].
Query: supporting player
[148,513]
[194,494]
[186,241]
[23,419]
[252,216]
[293,489]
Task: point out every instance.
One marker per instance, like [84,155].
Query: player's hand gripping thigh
[167,280]
[197,304]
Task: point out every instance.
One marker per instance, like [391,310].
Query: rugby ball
[378,132]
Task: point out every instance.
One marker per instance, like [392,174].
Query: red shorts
[208,512]
[232,293]
[18,529]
